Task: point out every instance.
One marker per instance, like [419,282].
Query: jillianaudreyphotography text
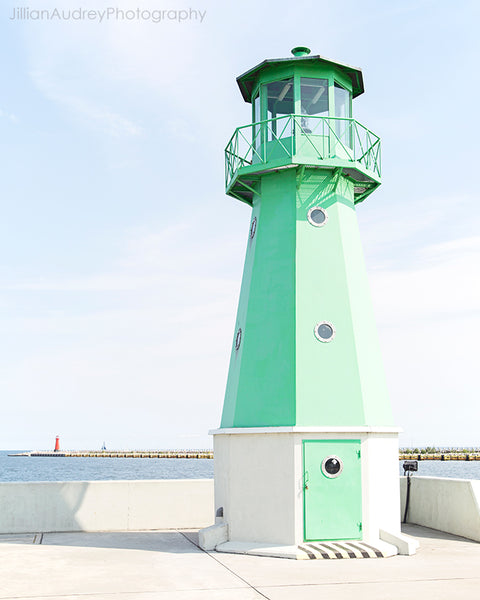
[25,13]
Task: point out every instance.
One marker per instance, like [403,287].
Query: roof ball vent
[301,51]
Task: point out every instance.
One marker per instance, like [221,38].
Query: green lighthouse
[307,451]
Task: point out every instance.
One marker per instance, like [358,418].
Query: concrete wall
[106,505]
[451,505]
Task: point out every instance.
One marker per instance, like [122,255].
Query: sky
[121,257]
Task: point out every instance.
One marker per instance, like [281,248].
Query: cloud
[7,115]
[98,116]
[167,261]
[453,250]
[145,343]
[415,232]
[90,69]
[444,282]
[429,323]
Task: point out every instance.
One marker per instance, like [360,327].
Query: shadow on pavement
[418,531]
[172,541]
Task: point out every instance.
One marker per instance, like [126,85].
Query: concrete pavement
[169,566]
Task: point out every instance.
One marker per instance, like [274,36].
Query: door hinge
[358,453]
[305,480]
[359,526]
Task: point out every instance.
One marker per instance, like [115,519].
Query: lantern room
[302,115]
[310,86]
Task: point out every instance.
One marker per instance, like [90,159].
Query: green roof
[247,81]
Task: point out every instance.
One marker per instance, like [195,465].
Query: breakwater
[445,456]
[440,456]
[119,454]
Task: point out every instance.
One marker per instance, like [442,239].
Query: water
[88,469]
[457,469]
[21,468]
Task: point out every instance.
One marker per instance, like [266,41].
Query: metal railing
[302,137]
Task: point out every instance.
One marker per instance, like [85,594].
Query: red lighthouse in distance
[57,444]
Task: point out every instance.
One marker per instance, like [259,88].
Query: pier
[71,540]
[445,456]
[440,456]
[169,565]
[457,455]
[119,454]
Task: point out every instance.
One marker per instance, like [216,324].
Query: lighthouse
[306,455]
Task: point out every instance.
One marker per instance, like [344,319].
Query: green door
[332,490]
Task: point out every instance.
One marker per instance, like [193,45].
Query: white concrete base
[211,537]
[276,551]
[313,550]
[405,544]
[259,485]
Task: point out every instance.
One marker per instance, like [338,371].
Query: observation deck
[292,141]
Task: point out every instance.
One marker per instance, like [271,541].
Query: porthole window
[238,339]
[253,228]
[324,331]
[317,216]
[332,466]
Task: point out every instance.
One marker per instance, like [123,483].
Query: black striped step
[335,550]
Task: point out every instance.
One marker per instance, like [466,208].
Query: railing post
[235,160]
[264,138]
[293,121]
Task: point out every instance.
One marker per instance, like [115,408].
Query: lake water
[87,469]
[22,468]
[458,469]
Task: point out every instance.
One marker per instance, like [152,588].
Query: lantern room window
[280,102]
[314,102]
[314,94]
[343,110]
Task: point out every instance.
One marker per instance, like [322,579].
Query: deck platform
[169,565]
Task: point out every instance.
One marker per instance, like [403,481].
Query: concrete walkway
[168,565]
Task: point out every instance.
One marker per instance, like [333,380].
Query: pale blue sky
[121,257]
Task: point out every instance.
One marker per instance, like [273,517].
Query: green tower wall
[340,382]
[295,276]
[261,381]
